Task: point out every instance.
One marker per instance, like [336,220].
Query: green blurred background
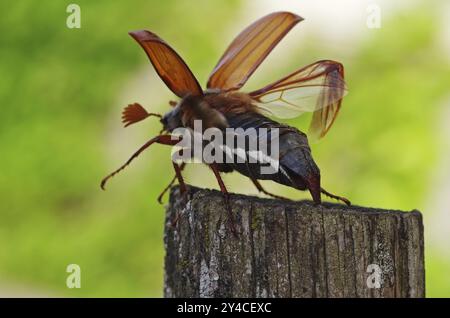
[62,91]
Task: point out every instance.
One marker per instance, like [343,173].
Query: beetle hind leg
[261,189]
[333,196]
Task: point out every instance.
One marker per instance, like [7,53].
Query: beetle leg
[224,190]
[346,201]
[161,195]
[178,170]
[183,189]
[261,189]
[161,139]
[180,181]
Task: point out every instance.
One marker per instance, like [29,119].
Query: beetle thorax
[192,108]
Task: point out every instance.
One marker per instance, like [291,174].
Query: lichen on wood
[290,249]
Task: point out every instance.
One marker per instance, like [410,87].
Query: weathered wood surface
[290,249]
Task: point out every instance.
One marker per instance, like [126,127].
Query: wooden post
[290,249]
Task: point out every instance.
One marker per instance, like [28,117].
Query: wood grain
[289,249]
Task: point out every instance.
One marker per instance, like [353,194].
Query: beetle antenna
[134,113]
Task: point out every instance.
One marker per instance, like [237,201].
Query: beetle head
[172,119]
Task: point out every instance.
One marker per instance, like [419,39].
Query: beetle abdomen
[295,168]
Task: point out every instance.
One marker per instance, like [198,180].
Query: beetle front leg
[161,139]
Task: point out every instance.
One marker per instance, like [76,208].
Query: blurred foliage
[57,96]
[58,91]
[385,148]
